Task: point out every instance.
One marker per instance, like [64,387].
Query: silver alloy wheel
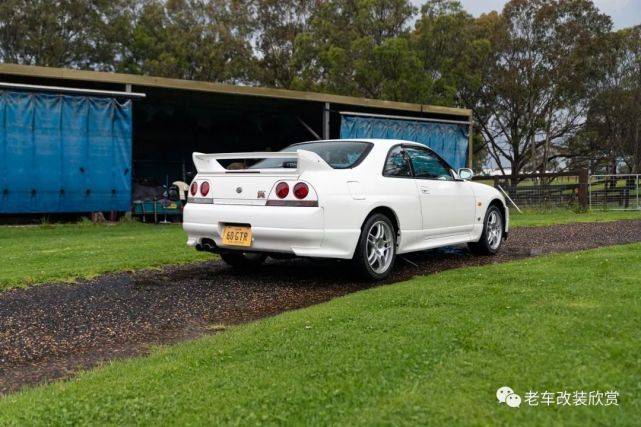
[494,231]
[380,246]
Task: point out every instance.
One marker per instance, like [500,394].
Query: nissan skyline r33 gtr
[363,200]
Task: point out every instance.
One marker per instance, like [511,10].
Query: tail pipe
[207,245]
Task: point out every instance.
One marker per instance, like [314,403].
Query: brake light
[282,190]
[194,188]
[301,190]
[204,188]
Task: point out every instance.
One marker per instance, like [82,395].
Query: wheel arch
[388,212]
[501,206]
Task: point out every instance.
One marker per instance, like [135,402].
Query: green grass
[429,351]
[566,216]
[40,254]
[47,253]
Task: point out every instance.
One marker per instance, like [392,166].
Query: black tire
[485,245]
[360,259]
[247,260]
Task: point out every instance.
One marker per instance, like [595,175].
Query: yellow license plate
[237,236]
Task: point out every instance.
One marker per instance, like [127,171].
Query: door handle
[425,190]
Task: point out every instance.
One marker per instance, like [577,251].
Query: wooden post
[584,197]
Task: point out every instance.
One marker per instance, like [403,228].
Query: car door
[447,205]
[399,191]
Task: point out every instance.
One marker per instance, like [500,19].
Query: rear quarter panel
[349,196]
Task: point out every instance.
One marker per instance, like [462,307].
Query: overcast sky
[625,13]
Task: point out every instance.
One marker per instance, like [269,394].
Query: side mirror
[465,174]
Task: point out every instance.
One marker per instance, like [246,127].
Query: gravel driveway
[51,331]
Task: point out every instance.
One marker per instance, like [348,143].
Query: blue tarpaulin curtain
[449,140]
[63,153]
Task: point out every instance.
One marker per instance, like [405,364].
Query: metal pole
[418,119]
[470,145]
[510,199]
[638,191]
[308,128]
[590,191]
[72,90]
[326,121]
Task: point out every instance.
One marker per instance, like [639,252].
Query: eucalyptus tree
[192,39]
[363,48]
[87,34]
[537,78]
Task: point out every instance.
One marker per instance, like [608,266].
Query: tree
[84,34]
[277,25]
[454,51]
[444,39]
[361,48]
[613,127]
[192,39]
[536,80]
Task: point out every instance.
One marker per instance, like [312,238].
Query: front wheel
[376,251]
[492,236]
[243,259]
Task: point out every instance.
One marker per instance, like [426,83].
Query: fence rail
[570,189]
[544,190]
[615,192]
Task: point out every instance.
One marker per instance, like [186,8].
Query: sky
[624,13]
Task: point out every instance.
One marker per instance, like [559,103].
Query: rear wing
[305,161]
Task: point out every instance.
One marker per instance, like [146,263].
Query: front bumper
[291,230]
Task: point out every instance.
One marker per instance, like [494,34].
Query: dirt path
[49,332]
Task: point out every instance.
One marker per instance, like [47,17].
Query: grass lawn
[432,350]
[64,252]
[565,216]
[39,254]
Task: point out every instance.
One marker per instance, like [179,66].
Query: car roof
[375,141]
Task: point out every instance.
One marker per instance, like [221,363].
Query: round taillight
[301,190]
[194,188]
[282,190]
[204,188]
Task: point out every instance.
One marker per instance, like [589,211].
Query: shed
[74,141]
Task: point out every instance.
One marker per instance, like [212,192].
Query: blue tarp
[64,153]
[449,140]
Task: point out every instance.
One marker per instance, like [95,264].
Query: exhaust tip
[206,245]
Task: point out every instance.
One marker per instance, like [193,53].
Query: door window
[397,164]
[428,165]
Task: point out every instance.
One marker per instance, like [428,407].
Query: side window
[427,165]
[397,163]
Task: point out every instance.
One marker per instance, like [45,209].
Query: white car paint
[429,213]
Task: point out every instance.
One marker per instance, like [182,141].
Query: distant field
[566,216]
[431,351]
[36,254]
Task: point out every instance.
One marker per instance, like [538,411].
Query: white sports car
[360,200]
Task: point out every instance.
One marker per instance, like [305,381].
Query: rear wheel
[243,259]
[376,251]
[492,236]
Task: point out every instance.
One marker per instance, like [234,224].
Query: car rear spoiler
[305,161]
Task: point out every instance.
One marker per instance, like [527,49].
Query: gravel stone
[52,331]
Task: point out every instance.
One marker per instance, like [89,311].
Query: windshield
[337,154]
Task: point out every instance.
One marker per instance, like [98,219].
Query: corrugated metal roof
[167,83]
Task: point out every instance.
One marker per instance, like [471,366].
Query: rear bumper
[292,230]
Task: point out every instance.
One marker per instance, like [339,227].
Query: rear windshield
[337,154]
